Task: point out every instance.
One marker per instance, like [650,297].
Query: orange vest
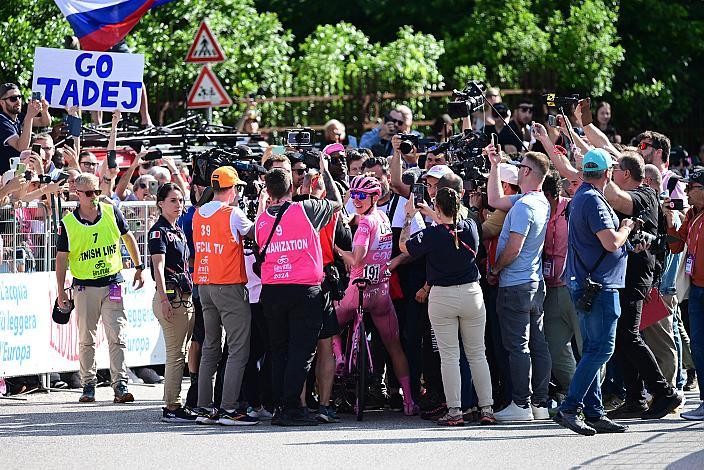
[219,257]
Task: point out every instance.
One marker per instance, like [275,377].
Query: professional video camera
[467,101]
[239,157]
[552,100]
[464,157]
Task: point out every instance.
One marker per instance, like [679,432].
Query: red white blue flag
[100,24]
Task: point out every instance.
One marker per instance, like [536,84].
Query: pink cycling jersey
[374,232]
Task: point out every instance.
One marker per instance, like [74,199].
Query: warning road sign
[207,92]
[205,47]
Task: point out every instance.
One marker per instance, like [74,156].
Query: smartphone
[112,159]
[677,204]
[20,169]
[153,187]
[36,96]
[13,162]
[70,142]
[36,148]
[152,155]
[74,125]
[418,190]
[278,150]
[61,178]
[552,120]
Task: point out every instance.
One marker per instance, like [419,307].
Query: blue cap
[597,160]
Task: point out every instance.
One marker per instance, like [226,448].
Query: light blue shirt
[528,217]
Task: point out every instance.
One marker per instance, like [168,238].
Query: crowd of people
[539,293]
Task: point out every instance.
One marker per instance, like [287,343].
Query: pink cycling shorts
[377,301]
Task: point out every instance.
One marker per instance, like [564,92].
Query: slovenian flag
[100,24]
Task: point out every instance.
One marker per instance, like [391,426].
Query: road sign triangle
[207,92]
[205,47]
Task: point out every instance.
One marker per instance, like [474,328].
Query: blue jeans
[599,341]
[696,332]
[680,375]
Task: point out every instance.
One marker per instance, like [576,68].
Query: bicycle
[358,354]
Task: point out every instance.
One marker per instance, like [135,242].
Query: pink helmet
[366,184]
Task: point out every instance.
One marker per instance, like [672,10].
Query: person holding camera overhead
[595,271]
[172,300]
[455,300]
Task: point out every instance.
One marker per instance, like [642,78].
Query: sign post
[207,91]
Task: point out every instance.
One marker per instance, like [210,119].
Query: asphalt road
[55,431]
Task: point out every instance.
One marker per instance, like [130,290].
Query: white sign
[208,92]
[94,81]
[31,343]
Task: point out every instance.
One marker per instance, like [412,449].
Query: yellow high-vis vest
[94,250]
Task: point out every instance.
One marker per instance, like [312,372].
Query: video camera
[465,158]
[239,157]
[552,100]
[467,101]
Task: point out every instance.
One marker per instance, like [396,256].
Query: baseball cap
[695,177]
[438,171]
[508,173]
[597,160]
[225,177]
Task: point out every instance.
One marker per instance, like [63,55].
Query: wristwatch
[140,267]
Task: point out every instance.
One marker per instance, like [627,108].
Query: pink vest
[294,255]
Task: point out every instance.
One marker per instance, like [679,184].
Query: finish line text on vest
[93,253]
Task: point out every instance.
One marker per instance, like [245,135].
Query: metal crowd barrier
[28,241]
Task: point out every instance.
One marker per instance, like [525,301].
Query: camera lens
[406,147]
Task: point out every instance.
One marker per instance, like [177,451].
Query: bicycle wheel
[361,371]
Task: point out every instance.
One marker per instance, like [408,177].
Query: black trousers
[294,316]
[637,361]
[256,383]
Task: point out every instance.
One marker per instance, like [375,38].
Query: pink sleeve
[363,233]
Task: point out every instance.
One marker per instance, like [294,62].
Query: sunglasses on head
[360,196]
[91,192]
[13,98]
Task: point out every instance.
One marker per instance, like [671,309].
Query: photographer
[455,301]
[630,198]
[172,300]
[520,124]
[595,271]
[691,236]
[398,120]
[521,288]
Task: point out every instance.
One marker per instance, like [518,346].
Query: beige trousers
[460,309]
[92,303]
[177,334]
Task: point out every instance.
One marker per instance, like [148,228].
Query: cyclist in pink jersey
[371,251]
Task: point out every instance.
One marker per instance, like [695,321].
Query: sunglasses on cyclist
[91,192]
[360,196]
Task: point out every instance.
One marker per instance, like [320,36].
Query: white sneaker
[540,412]
[259,413]
[695,415]
[514,412]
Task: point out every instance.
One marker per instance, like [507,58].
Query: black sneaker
[628,411]
[296,417]
[206,415]
[276,417]
[604,425]
[376,397]
[691,383]
[179,415]
[435,413]
[235,418]
[574,422]
[662,406]
[396,402]
[88,395]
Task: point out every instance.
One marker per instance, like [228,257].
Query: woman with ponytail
[455,302]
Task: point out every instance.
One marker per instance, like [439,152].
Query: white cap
[438,171]
[508,173]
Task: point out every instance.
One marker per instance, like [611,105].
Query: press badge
[115,293]
[689,265]
[547,267]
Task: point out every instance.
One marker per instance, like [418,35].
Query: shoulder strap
[598,261]
[392,208]
[273,228]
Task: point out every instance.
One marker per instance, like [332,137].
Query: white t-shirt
[239,223]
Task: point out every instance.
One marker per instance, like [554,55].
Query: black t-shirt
[165,239]
[506,137]
[446,265]
[8,128]
[62,245]
[640,268]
